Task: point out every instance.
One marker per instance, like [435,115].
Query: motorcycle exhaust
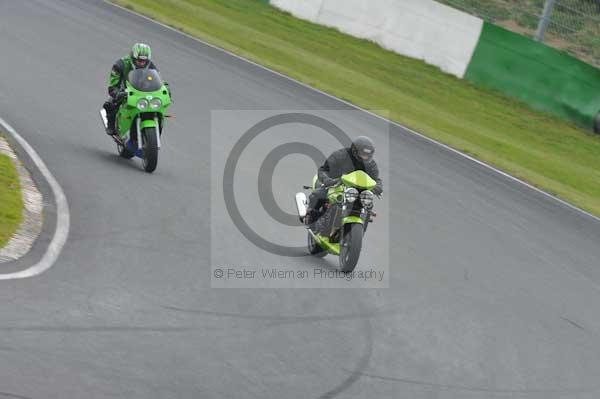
[104,118]
[301,205]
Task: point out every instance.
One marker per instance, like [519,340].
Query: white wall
[305,9]
[422,29]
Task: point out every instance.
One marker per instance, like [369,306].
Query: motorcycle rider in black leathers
[346,160]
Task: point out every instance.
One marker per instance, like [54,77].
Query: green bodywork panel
[128,110]
[359,179]
[147,123]
[331,247]
[352,219]
[335,193]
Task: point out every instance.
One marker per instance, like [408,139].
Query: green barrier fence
[547,79]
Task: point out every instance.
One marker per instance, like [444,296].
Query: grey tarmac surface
[493,289]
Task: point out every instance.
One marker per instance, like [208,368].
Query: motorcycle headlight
[366,197]
[155,103]
[351,194]
[142,104]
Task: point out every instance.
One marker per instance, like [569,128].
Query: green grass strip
[11,201]
[547,152]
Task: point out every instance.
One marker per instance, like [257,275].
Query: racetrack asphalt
[493,287]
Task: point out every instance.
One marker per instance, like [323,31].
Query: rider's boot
[311,217]
[111,117]
[111,130]
[315,201]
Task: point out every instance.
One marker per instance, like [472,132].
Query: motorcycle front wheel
[351,246]
[149,149]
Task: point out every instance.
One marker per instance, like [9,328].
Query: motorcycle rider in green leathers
[139,57]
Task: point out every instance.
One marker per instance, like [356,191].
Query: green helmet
[140,55]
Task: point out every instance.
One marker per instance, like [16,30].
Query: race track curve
[493,287]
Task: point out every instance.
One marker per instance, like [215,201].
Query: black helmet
[363,148]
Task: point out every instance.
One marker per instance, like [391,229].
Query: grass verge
[11,202]
[543,150]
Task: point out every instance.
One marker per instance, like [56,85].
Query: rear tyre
[314,249]
[351,246]
[597,124]
[124,152]
[149,149]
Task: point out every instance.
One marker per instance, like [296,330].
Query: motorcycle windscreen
[359,179]
[145,80]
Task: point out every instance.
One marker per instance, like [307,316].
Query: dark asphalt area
[493,288]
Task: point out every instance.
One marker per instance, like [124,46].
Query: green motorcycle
[348,212]
[140,118]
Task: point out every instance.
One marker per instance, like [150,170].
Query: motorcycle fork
[139,132]
[158,131]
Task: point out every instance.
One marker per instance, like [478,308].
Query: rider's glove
[113,91]
[121,95]
[377,190]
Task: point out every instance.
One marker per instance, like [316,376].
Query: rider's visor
[365,154]
[140,62]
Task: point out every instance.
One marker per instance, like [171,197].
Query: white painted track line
[62,214]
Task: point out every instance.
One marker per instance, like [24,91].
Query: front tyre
[351,246]
[149,149]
